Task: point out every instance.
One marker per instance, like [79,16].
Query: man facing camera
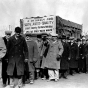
[17,52]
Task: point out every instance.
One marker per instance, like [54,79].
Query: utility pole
[9,27]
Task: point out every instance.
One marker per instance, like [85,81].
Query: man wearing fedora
[83,46]
[73,60]
[52,59]
[64,64]
[80,61]
[5,59]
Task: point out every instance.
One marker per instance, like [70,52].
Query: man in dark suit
[64,64]
[4,60]
[17,52]
[83,55]
[73,61]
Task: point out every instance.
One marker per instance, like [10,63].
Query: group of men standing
[49,57]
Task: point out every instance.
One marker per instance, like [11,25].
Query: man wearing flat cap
[5,59]
[17,53]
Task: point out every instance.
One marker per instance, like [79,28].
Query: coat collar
[16,41]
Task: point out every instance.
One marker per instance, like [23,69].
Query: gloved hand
[58,57]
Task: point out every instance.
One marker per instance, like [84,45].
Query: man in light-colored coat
[51,61]
[32,56]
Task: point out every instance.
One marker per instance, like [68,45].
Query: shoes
[60,77]
[56,80]
[52,80]
[64,77]
[31,81]
[28,81]
[4,85]
[43,78]
[12,86]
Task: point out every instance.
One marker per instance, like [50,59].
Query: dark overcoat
[86,57]
[80,55]
[4,61]
[17,52]
[32,55]
[73,63]
[83,64]
[64,64]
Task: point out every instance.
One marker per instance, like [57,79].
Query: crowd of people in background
[46,56]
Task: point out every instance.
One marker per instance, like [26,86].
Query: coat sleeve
[77,51]
[25,49]
[8,47]
[35,49]
[60,47]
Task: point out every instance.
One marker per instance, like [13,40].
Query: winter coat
[86,51]
[73,63]
[32,55]
[64,64]
[17,52]
[50,60]
[4,61]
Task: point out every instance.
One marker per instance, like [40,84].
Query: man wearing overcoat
[73,62]
[17,52]
[5,59]
[52,59]
[32,56]
[64,64]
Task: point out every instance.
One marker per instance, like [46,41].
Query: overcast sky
[12,10]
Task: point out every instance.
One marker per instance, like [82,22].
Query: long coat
[64,64]
[4,61]
[39,46]
[50,60]
[86,57]
[73,63]
[32,55]
[80,55]
[17,52]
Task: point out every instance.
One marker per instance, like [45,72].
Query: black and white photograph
[43,43]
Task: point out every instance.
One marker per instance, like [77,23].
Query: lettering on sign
[40,24]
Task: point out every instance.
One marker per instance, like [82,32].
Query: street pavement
[76,81]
